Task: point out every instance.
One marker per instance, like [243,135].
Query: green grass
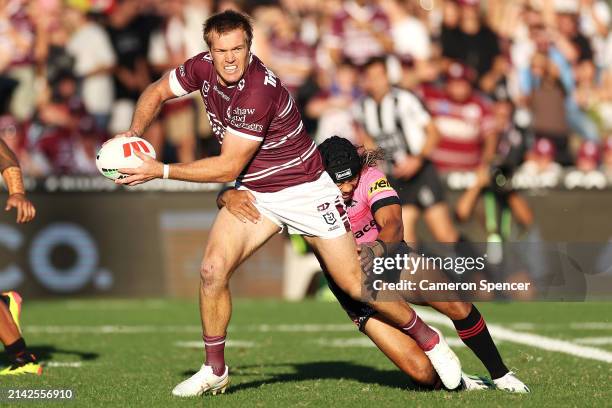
[133,369]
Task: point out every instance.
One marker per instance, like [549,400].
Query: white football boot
[445,362]
[202,381]
[473,383]
[510,383]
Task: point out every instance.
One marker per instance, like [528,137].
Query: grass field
[130,353]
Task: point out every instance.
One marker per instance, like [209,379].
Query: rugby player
[375,215]
[20,359]
[266,150]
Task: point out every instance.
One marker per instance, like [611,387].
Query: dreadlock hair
[371,157]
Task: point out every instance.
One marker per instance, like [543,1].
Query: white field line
[112,329]
[290,328]
[595,341]
[591,326]
[366,342]
[497,331]
[230,343]
[528,339]
[68,364]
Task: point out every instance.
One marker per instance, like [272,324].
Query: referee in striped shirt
[397,121]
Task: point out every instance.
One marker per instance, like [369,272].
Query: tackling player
[375,214]
[266,150]
[20,359]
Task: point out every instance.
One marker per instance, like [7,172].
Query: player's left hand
[408,167]
[149,169]
[25,209]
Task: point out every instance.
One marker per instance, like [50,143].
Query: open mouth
[230,69]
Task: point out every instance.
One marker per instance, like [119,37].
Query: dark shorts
[360,312]
[423,190]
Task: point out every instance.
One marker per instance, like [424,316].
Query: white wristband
[166,171]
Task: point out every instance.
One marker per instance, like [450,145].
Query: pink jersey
[258,108]
[372,192]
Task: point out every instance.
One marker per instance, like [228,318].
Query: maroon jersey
[356,43]
[258,108]
[462,127]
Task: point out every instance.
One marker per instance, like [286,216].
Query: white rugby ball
[119,153]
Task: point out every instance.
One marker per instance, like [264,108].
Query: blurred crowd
[521,83]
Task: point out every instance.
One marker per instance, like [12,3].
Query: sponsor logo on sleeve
[182,70]
[379,186]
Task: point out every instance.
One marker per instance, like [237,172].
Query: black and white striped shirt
[397,124]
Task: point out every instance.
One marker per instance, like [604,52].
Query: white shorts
[313,209]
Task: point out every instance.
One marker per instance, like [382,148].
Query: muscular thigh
[231,241]
[340,259]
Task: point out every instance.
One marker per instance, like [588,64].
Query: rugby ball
[120,153]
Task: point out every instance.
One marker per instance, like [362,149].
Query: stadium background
[61,98]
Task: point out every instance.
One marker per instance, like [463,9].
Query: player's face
[230,54]
[348,188]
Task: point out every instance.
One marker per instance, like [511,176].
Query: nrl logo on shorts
[341,175]
[329,218]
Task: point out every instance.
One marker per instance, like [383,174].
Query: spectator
[588,157]
[167,50]
[333,106]
[464,119]
[547,102]
[17,36]
[411,41]
[93,64]
[288,55]
[607,158]
[359,32]
[472,42]
[540,162]
[129,33]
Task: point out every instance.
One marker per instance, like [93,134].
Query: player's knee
[458,310]
[213,273]
[424,375]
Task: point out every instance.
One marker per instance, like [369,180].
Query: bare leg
[340,259]
[9,333]
[402,351]
[230,242]
[410,215]
[452,310]
[440,224]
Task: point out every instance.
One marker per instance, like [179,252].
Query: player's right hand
[367,252]
[240,203]
[25,209]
